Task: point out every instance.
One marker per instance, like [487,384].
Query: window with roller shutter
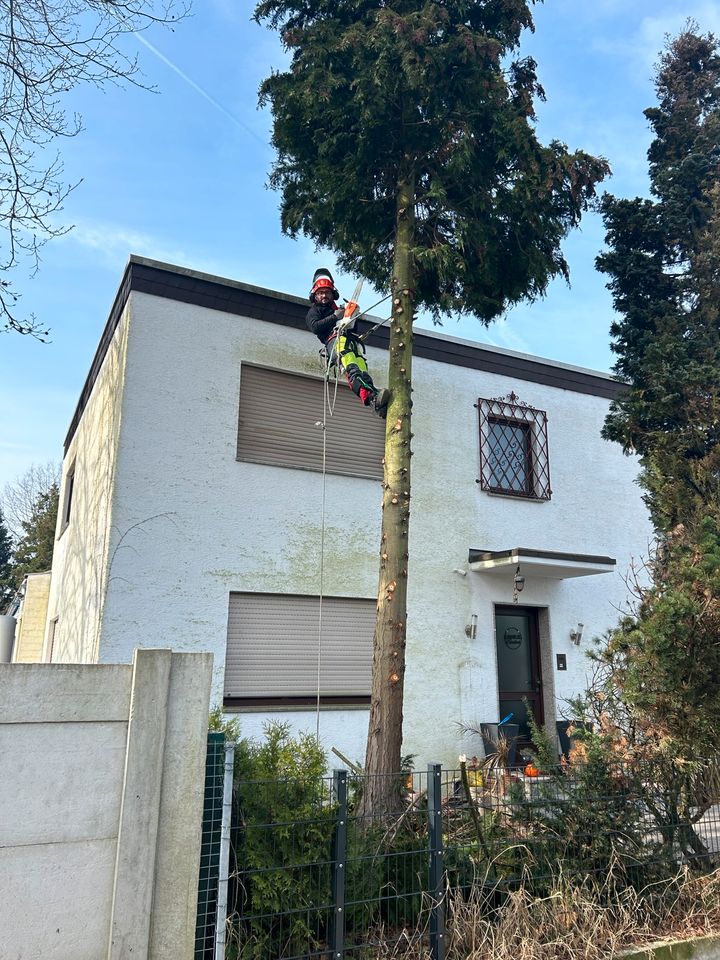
[274,643]
[278,424]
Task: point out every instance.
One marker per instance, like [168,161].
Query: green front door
[518,665]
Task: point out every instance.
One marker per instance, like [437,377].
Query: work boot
[381,403]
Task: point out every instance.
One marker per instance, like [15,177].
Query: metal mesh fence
[314,876]
[210,848]
[331,881]
[638,822]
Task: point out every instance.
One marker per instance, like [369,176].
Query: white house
[192,516]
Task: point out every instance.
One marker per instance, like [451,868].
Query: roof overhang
[539,563]
[242,299]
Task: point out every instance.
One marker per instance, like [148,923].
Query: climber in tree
[327,321]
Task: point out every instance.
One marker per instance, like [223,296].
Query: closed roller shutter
[277,425]
[272,648]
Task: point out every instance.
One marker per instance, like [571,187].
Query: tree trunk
[382,790]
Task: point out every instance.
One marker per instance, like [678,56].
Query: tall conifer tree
[33,551]
[7,586]
[664,267]
[405,144]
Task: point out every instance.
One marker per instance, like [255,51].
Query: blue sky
[179,175]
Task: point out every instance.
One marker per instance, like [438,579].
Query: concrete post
[177,866]
[134,882]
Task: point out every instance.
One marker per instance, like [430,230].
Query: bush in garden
[283,825]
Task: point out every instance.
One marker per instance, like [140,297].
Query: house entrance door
[518,665]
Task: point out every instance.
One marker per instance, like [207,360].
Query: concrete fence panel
[101,784]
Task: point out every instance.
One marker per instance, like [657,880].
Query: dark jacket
[321,320]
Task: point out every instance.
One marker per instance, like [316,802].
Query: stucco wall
[191,524]
[81,561]
[30,631]
[101,798]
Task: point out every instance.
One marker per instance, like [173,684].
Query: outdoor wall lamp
[518,584]
[576,634]
[471,628]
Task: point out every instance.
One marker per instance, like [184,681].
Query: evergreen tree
[664,265]
[405,144]
[664,268]
[33,552]
[7,588]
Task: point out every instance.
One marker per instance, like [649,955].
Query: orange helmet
[323,279]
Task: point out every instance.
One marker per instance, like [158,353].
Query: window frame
[280,413]
[511,411]
[67,501]
[268,620]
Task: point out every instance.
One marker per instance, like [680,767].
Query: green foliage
[33,551]
[589,820]
[424,93]
[218,722]
[664,267]
[405,141]
[386,875]
[284,828]
[666,660]
[7,582]
[663,262]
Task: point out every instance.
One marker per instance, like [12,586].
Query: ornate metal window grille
[513,448]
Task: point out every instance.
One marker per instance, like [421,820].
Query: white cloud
[645,44]
[113,243]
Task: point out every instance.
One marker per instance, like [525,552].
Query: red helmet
[323,279]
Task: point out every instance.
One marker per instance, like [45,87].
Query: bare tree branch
[47,48]
[19,498]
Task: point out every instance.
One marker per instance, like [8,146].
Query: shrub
[283,828]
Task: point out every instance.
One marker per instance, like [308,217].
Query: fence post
[210,848]
[436,869]
[337,921]
[224,865]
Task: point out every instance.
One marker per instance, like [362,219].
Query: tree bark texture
[383,787]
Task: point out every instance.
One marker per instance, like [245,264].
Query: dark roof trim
[474,556]
[216,293]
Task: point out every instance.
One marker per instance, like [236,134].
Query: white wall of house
[595,509]
[102,801]
[82,555]
[190,524]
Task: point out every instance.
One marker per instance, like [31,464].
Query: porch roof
[539,563]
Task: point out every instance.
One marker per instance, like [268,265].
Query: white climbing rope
[328,408]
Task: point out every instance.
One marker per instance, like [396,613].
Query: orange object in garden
[531,770]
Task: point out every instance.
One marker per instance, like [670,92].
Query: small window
[67,498]
[276,652]
[52,628]
[513,449]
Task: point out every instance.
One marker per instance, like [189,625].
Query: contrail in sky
[198,89]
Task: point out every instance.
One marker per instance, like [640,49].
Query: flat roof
[243,299]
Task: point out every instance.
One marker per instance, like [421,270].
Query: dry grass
[592,923]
